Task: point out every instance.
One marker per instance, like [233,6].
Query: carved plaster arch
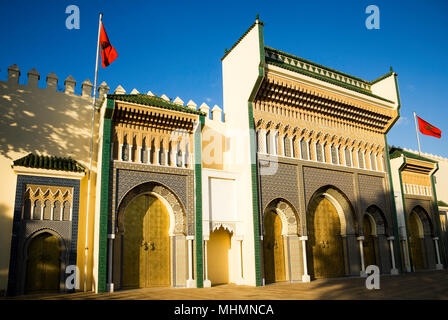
[288,215]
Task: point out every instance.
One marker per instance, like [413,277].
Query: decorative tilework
[22,230]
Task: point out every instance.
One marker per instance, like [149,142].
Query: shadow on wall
[45,122]
[5,241]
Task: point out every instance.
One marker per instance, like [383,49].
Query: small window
[47,210]
[360,159]
[125,152]
[348,160]
[304,149]
[179,156]
[66,211]
[57,211]
[334,156]
[37,210]
[144,152]
[286,147]
[319,155]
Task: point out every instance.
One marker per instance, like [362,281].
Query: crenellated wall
[44,121]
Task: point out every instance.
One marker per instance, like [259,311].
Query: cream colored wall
[46,122]
[240,72]
[386,88]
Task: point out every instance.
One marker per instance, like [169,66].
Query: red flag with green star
[428,129]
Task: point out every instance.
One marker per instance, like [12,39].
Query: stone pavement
[419,285]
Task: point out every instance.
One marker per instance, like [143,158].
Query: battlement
[52,82]
[215,114]
[428,155]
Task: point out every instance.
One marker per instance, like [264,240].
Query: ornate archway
[420,227]
[330,224]
[281,227]
[44,253]
[151,227]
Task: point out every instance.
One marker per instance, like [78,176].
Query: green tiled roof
[315,70]
[396,152]
[152,101]
[441,203]
[51,163]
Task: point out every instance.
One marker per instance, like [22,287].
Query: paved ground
[424,285]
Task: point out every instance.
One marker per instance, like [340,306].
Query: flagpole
[90,153]
[416,131]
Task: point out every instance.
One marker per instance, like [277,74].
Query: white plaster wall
[386,89]
[240,72]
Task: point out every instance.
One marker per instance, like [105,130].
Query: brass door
[274,261]
[368,243]
[325,242]
[415,242]
[146,252]
[43,267]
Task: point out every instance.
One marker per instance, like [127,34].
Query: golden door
[274,261]
[43,267]
[146,252]
[368,243]
[415,242]
[325,242]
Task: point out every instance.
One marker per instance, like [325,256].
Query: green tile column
[198,202]
[104,200]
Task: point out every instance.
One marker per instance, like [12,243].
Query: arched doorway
[146,244]
[274,258]
[416,236]
[368,227]
[218,256]
[324,239]
[43,266]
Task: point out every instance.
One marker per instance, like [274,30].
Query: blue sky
[174,47]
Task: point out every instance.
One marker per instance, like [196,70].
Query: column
[148,156]
[190,282]
[305,276]
[439,265]
[120,152]
[394,270]
[239,240]
[110,285]
[130,153]
[361,252]
[157,156]
[406,256]
[291,148]
[207,282]
[140,149]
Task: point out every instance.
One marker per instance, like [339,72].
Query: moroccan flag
[108,53]
[428,129]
